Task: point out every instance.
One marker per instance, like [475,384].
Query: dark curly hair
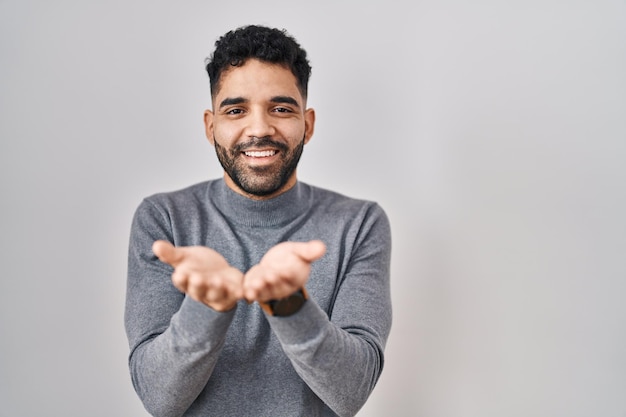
[263,43]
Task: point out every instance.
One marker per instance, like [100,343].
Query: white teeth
[259,154]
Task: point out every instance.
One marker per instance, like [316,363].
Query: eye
[234,111]
[282,110]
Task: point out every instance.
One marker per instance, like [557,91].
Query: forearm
[170,370]
[338,350]
[340,365]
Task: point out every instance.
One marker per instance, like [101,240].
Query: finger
[310,251]
[251,282]
[234,282]
[226,285]
[204,292]
[167,252]
[278,291]
[262,284]
[221,291]
[180,280]
[211,286]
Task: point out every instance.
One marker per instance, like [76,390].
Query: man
[257,294]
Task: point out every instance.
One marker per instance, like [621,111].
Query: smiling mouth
[260,154]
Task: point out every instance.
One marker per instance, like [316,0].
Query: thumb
[310,251]
[167,252]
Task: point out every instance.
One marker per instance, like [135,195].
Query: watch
[287,306]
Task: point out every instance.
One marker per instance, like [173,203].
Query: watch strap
[287,306]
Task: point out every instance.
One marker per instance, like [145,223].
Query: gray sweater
[187,359]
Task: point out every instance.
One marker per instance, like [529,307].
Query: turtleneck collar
[276,211]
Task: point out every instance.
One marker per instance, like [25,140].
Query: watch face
[289,305]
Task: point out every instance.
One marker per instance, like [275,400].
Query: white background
[492,132]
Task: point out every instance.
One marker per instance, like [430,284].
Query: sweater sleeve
[174,340]
[341,357]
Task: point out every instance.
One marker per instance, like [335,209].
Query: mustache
[260,142]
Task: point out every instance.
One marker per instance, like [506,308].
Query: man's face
[259,126]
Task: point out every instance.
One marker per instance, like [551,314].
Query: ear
[208,126]
[309,124]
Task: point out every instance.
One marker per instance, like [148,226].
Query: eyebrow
[285,100]
[229,101]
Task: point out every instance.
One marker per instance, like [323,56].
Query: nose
[260,125]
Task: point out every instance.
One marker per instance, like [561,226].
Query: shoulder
[192,192]
[359,223]
[342,206]
[165,205]
[338,200]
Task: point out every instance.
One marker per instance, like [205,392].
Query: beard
[259,181]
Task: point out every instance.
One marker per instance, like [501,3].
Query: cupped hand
[283,270]
[203,274]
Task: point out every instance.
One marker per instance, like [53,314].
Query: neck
[279,210]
